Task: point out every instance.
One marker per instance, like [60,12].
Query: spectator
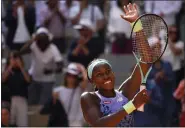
[17,79]
[39,6]
[180,95]
[72,14]
[164,9]
[75,83]
[151,117]
[162,75]
[86,48]
[94,14]
[180,22]
[20,21]
[56,112]
[174,54]
[46,62]
[5,116]
[52,17]
[119,30]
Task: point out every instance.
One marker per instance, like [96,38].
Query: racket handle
[141,108]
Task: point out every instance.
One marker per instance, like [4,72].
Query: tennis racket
[149,43]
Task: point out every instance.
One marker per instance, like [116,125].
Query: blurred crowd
[63,37]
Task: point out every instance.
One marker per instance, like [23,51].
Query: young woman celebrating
[108,107]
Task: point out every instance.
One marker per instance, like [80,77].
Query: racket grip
[141,108]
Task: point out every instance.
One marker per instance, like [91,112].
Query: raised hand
[83,70]
[131,13]
[19,63]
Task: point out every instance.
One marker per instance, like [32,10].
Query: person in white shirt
[46,62]
[94,14]
[118,30]
[20,21]
[174,53]
[75,82]
[52,17]
[166,9]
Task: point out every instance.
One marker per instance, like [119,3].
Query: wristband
[129,107]
[138,26]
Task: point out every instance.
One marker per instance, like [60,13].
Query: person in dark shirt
[86,48]
[17,80]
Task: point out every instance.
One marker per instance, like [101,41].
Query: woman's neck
[107,93]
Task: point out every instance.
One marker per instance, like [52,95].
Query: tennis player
[108,107]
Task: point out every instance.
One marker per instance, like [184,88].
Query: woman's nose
[106,76]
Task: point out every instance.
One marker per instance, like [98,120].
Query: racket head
[156,32]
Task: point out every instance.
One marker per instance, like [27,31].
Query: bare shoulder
[90,97]
[90,104]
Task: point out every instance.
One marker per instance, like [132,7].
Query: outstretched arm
[132,84]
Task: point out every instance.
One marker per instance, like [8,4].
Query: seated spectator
[5,116]
[46,62]
[17,80]
[53,19]
[86,48]
[20,21]
[75,82]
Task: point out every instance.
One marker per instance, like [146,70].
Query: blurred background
[46,46]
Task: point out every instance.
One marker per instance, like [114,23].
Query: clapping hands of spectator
[159,76]
[19,63]
[82,40]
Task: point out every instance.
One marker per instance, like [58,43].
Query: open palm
[131,13]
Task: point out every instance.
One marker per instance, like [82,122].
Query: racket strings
[155,34]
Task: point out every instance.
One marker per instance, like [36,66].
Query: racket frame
[144,78]
[135,32]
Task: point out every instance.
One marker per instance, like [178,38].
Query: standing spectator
[17,79]
[72,14]
[20,21]
[151,117]
[46,62]
[39,6]
[166,9]
[75,82]
[174,54]
[52,17]
[180,22]
[162,76]
[94,14]
[86,48]
[119,30]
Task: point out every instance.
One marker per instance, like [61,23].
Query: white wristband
[138,26]
[129,107]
